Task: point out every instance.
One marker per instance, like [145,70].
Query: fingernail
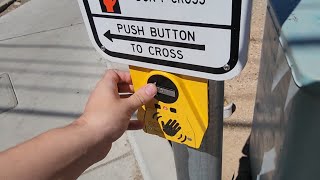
[151,90]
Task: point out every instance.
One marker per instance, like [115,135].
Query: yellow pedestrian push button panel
[179,111]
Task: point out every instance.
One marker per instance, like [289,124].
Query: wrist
[90,132]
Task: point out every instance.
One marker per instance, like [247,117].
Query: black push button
[167,90]
[157,106]
[173,110]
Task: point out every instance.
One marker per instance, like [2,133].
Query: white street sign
[201,38]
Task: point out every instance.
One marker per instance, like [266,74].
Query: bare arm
[64,153]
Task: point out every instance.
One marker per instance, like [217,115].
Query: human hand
[108,114]
[66,152]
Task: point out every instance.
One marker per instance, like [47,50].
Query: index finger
[116,76]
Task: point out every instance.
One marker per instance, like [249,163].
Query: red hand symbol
[109,4]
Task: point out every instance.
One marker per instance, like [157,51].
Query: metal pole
[204,163]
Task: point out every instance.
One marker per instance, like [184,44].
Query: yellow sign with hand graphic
[179,111]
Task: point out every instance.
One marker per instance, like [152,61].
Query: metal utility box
[284,142]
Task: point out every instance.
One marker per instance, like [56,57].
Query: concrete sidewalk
[45,49]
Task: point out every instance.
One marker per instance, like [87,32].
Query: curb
[4,4]
[139,157]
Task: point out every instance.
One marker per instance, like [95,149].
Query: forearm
[64,153]
[50,154]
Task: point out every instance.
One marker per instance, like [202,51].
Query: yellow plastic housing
[191,108]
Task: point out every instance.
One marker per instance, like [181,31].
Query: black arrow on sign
[111,36]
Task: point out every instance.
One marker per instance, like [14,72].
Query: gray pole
[204,163]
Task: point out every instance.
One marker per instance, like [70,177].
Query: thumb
[142,96]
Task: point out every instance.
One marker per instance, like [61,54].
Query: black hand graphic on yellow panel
[171,127]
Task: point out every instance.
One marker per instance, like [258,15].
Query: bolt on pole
[204,163]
